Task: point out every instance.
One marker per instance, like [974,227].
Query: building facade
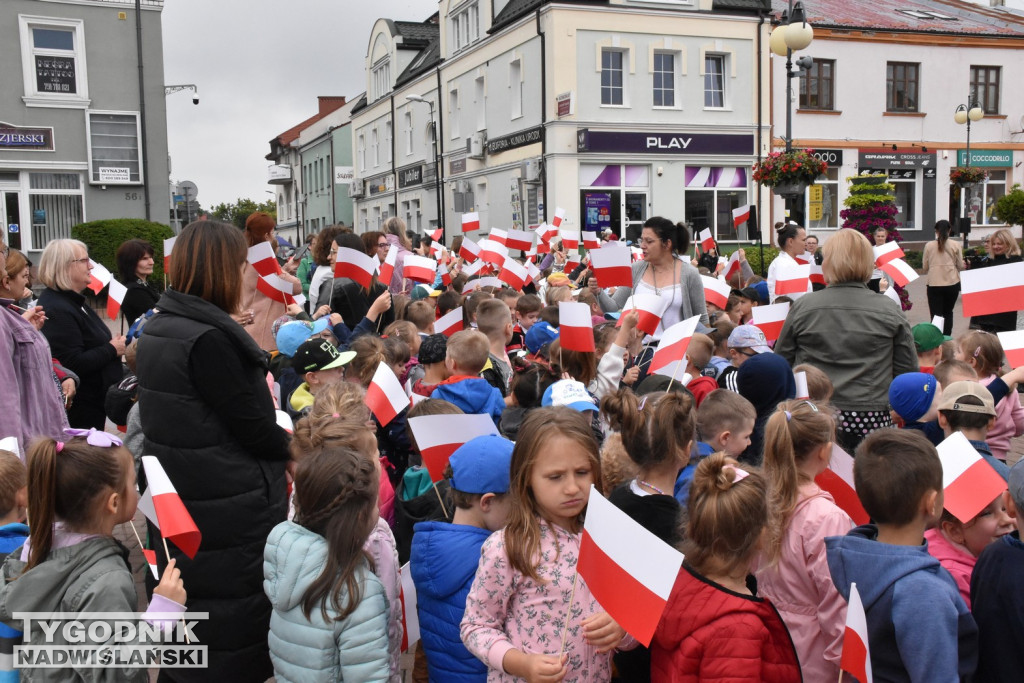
[79,141]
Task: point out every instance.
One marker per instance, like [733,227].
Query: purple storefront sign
[663,143]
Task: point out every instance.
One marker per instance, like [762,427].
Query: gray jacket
[314,650]
[692,292]
[860,339]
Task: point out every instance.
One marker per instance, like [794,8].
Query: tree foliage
[240,210]
[1010,207]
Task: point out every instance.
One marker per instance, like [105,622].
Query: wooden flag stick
[568,612]
[184,626]
[673,377]
[137,537]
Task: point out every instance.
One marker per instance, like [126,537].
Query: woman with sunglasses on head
[1005,249]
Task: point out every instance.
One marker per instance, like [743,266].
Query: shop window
[711,194]
[53,62]
[983,199]
[822,212]
[55,202]
[905,182]
[901,86]
[114,152]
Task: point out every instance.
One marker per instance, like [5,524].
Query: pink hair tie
[60,446]
[335,415]
[739,475]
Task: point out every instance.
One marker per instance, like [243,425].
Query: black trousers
[941,300]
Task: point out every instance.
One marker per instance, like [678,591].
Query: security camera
[195,100]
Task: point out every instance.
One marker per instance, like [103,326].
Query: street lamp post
[793,33]
[437,159]
[965,114]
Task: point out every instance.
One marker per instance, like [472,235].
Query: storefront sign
[109,174]
[457,165]
[410,177]
[881,158]
[520,139]
[564,104]
[381,184]
[663,143]
[985,157]
[24,137]
[344,175]
[56,75]
[598,210]
[832,157]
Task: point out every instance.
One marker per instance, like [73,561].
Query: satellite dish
[188,188]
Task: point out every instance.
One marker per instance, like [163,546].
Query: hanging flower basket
[789,173]
[967,176]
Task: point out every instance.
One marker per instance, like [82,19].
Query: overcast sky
[259,66]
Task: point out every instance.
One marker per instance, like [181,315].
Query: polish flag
[575,327]
[469,251]
[804,258]
[99,276]
[838,481]
[556,222]
[572,262]
[591,240]
[856,657]
[150,556]
[449,323]
[438,436]
[628,569]
[446,277]
[716,291]
[162,505]
[533,271]
[1013,347]
[10,444]
[997,289]
[276,288]
[420,268]
[410,616]
[670,356]
[168,248]
[740,215]
[470,221]
[387,269]
[261,257]
[513,274]
[817,274]
[612,267]
[733,266]
[792,279]
[471,269]
[355,264]
[493,252]
[649,307]
[385,395]
[887,252]
[545,232]
[969,482]
[900,271]
[499,236]
[894,295]
[770,319]
[570,239]
[115,297]
[802,392]
[436,250]
[520,239]
[284,421]
[436,234]
[707,240]
[490,282]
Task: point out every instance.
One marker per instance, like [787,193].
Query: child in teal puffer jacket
[330,619]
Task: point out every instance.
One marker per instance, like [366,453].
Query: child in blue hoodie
[466,357]
[919,628]
[445,556]
[13,502]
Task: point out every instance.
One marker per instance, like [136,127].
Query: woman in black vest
[208,416]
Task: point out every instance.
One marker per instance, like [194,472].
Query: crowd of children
[726,465]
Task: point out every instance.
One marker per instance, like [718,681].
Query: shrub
[1010,207]
[913,258]
[105,236]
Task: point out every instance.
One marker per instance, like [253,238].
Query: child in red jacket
[714,626]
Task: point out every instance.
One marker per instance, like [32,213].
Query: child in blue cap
[914,396]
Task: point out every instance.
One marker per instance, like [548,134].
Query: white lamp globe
[960,116]
[777,41]
[799,35]
[976,114]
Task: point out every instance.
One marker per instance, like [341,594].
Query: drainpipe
[439,133]
[543,120]
[144,148]
[760,62]
[394,178]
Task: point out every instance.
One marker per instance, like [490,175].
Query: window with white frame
[375,147]
[53,61]
[381,79]
[361,151]
[481,103]
[453,112]
[465,26]
[663,70]
[55,201]
[611,77]
[115,156]
[714,81]
[387,141]
[407,122]
[515,85]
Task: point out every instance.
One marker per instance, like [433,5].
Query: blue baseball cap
[569,392]
[291,335]
[911,394]
[539,334]
[482,465]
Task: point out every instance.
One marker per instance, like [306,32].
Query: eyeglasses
[383,245]
[80,260]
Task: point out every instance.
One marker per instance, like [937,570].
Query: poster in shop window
[598,207]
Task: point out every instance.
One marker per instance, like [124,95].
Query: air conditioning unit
[531,171]
[475,146]
[355,189]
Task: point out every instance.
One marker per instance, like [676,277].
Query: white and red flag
[804,258]
[802,392]
[446,277]
[716,291]
[419,268]
[162,505]
[570,239]
[275,287]
[387,268]
[1013,347]
[887,252]
[520,239]
[612,267]
[471,269]
[356,265]
[493,252]
[627,568]
[261,257]
[514,274]
[115,297]
[838,481]
[410,615]
[385,395]
[575,327]
[792,279]
[572,261]
[559,217]
[649,307]
[168,248]
[449,323]
[150,556]
[438,436]
[856,657]
[970,484]
[437,250]
[997,289]
[99,277]
[545,231]
[740,215]
[707,240]
[284,421]
[770,319]
[900,271]
[470,221]
[499,236]
[435,235]
[817,274]
[490,281]
[591,240]
[670,357]
[469,251]
[733,266]
[533,271]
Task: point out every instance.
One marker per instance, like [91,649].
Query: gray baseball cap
[749,337]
